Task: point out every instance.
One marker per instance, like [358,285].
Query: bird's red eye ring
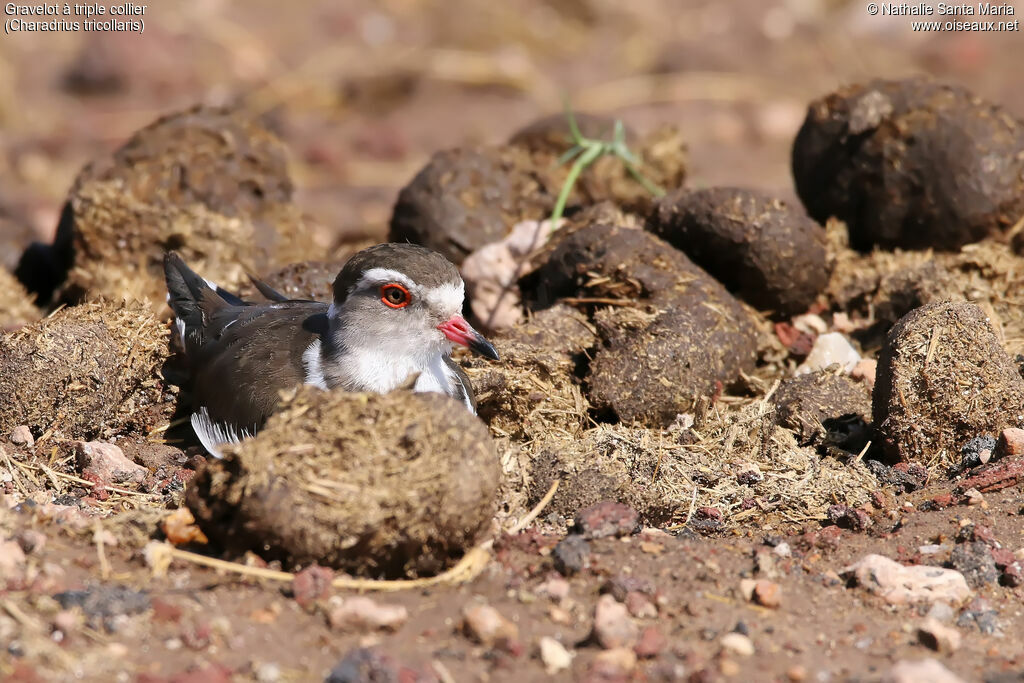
[395,295]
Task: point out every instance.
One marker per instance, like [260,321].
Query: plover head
[397,310]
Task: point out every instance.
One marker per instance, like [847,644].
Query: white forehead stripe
[375,276]
[447,297]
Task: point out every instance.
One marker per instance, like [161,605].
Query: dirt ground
[362,93]
[200,620]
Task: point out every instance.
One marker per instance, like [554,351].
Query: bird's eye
[395,295]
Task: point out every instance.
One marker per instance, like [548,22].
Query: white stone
[900,585]
[737,644]
[361,614]
[828,349]
[487,626]
[22,436]
[613,627]
[554,655]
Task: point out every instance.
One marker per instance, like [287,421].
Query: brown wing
[237,377]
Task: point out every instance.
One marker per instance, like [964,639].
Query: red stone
[796,342]
[605,519]
[1004,557]
[651,643]
[312,584]
[828,538]
[165,611]
[1013,575]
[709,513]
[1010,443]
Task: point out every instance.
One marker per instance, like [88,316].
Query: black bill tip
[480,345]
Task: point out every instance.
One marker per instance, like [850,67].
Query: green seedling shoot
[586,151]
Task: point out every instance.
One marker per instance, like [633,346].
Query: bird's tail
[186,292]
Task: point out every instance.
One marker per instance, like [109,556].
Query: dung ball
[943,378]
[391,485]
[670,333]
[911,163]
[762,250]
[87,371]
[605,463]
[655,366]
[465,198]
[209,183]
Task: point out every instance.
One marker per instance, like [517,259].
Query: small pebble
[864,372]
[640,606]
[605,519]
[941,612]
[613,627]
[488,627]
[848,517]
[366,664]
[979,613]
[898,585]
[729,668]
[555,588]
[974,560]
[737,644]
[311,585]
[1010,443]
[31,541]
[361,614]
[796,673]
[106,464]
[766,563]
[974,497]
[761,592]
[67,621]
[554,655]
[1013,574]
[767,593]
[651,644]
[22,436]
[268,673]
[571,555]
[931,549]
[810,323]
[977,451]
[783,550]
[830,348]
[559,615]
[749,474]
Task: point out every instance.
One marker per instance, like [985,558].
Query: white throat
[379,370]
